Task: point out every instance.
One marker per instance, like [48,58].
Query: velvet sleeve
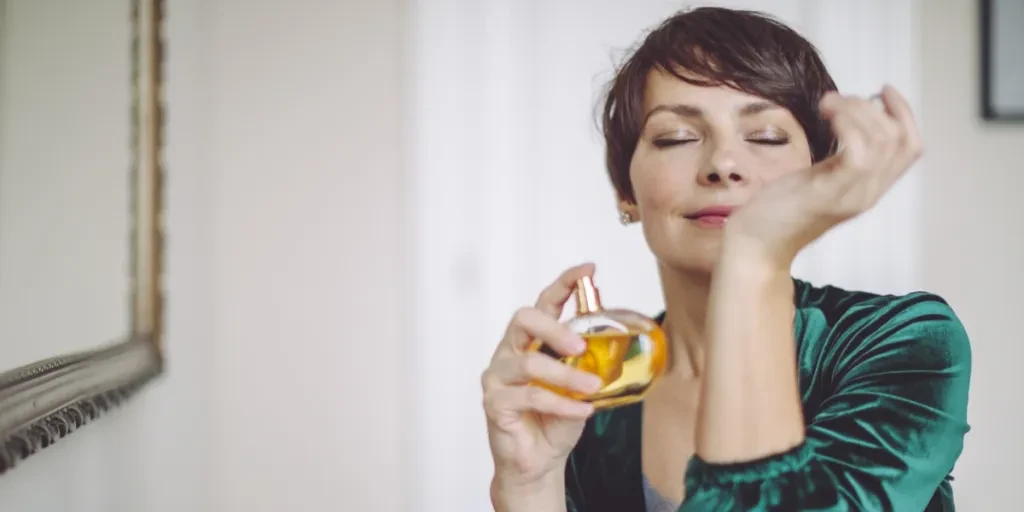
[887,431]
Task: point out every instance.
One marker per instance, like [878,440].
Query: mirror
[80,203]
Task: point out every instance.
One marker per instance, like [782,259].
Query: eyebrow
[684,110]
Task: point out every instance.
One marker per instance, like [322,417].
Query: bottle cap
[587,298]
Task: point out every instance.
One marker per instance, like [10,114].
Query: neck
[686,303]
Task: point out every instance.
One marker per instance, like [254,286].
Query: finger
[851,136]
[531,323]
[881,132]
[861,112]
[872,113]
[535,366]
[553,298]
[868,115]
[519,399]
[828,104]
[899,109]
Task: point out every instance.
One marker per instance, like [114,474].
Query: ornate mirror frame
[43,402]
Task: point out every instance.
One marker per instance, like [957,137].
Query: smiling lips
[711,217]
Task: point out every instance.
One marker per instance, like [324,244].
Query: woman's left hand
[878,144]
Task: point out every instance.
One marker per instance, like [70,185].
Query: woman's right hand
[531,429]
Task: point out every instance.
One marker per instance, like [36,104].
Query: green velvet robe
[884,383]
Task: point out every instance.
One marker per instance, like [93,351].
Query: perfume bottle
[626,349]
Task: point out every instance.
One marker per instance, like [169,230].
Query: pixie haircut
[711,46]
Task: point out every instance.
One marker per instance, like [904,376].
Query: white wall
[303,146]
[974,245]
[286,269]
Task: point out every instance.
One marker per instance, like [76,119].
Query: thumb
[828,164]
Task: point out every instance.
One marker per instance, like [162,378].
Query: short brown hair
[746,50]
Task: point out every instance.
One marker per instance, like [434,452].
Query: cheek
[659,183]
[772,163]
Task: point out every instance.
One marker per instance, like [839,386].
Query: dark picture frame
[1002,59]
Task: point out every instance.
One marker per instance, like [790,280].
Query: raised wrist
[751,255]
[742,276]
[751,263]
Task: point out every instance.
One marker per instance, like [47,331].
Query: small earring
[625,218]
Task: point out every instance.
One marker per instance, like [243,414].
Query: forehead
[663,88]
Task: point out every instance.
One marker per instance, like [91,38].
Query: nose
[722,168]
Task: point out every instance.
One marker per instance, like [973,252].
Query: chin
[684,250]
[692,257]
[691,264]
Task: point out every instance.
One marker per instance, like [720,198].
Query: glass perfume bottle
[626,349]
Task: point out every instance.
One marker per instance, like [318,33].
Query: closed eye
[769,142]
[667,143]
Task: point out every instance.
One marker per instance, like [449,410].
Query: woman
[722,132]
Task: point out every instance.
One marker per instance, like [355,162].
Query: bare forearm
[546,495]
[750,407]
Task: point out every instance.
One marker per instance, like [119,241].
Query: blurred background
[359,194]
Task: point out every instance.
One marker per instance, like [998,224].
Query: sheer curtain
[507,187]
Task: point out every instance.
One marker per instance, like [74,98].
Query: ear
[628,212]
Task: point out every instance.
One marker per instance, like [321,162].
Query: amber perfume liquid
[625,349]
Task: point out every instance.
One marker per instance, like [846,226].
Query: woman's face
[703,150]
